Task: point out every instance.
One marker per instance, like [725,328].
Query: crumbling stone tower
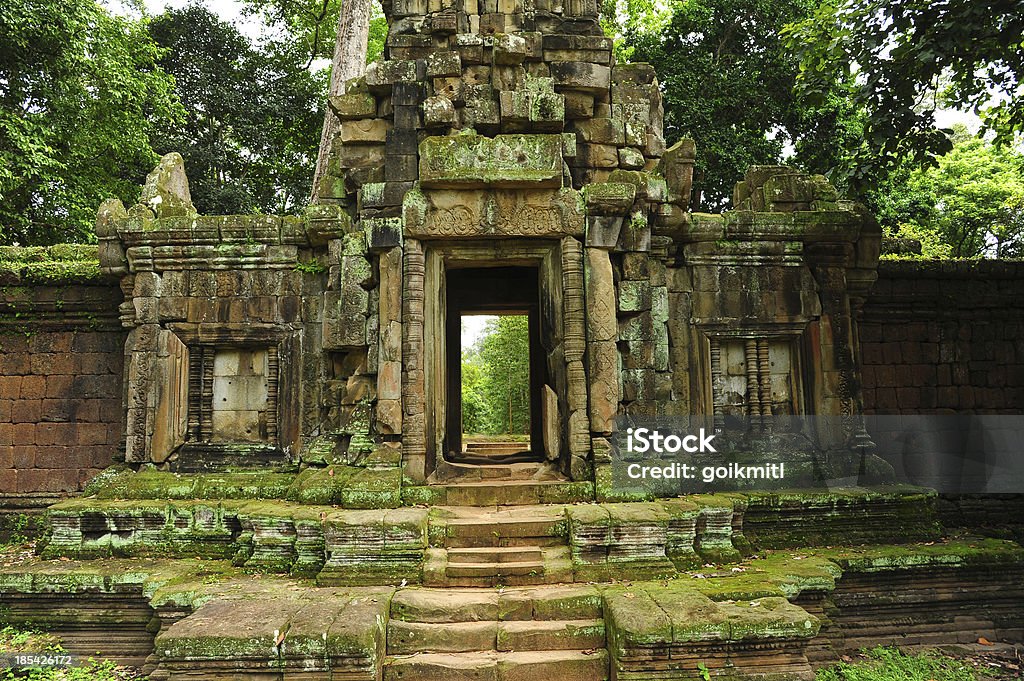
[496,159]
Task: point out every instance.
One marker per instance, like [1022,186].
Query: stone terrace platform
[232,576]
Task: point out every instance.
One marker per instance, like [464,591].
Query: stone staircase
[504,484]
[507,635]
[482,547]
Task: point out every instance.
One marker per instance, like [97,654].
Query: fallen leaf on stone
[846,658]
[985,642]
[629,595]
[590,652]
[331,473]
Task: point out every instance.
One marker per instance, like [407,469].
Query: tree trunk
[349,62]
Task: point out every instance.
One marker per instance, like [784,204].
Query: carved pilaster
[414,436]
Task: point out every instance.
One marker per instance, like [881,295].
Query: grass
[26,641]
[890,664]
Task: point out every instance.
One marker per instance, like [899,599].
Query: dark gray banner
[953,454]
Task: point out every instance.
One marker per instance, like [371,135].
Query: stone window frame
[202,342]
[757,340]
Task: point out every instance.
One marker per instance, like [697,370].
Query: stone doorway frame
[484,296]
[563,333]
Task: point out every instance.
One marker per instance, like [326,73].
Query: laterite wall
[61,359]
[941,336]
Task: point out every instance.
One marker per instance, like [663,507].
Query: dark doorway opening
[492,291]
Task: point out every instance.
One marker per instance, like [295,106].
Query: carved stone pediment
[445,213]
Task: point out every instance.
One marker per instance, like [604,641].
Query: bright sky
[473,328]
[229,10]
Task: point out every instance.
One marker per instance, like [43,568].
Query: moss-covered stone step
[434,621]
[652,540]
[337,546]
[515,526]
[666,631]
[502,493]
[883,515]
[345,486]
[296,631]
[565,665]
[926,594]
[554,567]
[109,607]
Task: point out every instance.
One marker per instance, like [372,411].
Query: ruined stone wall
[61,360]
[944,336]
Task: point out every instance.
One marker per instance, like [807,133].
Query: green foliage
[28,641]
[252,129]
[728,80]
[312,27]
[970,204]
[889,664]
[476,412]
[911,58]
[80,96]
[496,379]
[311,267]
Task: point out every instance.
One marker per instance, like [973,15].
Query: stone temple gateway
[488,141]
[291,402]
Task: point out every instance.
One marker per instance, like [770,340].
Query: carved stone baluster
[717,396]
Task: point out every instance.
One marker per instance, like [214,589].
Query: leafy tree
[728,80]
[251,132]
[352,31]
[80,96]
[476,413]
[498,368]
[971,202]
[312,26]
[910,58]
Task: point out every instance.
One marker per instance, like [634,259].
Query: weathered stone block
[364,131]
[481,107]
[354,105]
[166,191]
[381,76]
[578,105]
[450,88]
[382,233]
[631,159]
[581,76]
[677,168]
[509,49]
[601,131]
[444,64]
[609,198]
[634,296]
[467,161]
[439,111]
[603,231]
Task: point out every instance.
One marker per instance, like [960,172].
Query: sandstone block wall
[61,359]
[941,336]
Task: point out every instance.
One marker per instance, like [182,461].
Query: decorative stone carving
[502,213]
[473,161]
